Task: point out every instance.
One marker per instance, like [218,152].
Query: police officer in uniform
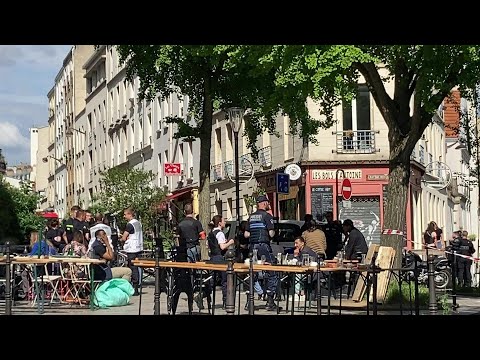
[463,265]
[260,230]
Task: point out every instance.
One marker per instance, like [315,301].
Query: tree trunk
[205,138]
[396,201]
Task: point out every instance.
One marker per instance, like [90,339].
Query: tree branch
[377,89]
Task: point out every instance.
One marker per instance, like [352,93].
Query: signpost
[172,169]
[283,183]
[346,189]
[283,187]
[346,193]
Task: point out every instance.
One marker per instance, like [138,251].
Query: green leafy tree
[18,211]
[281,78]
[126,187]
[422,75]
[213,77]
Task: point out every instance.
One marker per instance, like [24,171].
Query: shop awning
[50,215]
[179,193]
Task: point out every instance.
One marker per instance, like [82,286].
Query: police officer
[463,264]
[260,230]
[333,232]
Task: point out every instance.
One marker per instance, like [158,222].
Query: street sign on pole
[283,183]
[346,189]
[172,169]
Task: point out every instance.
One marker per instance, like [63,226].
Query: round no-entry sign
[346,189]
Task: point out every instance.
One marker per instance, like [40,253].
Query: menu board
[322,201]
[365,214]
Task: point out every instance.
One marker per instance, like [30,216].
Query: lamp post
[235,117]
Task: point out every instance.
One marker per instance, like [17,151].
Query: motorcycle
[442,274]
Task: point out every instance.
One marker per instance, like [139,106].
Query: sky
[27,73]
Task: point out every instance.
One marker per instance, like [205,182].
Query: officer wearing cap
[260,230]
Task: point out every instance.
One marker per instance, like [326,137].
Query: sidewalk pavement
[467,306]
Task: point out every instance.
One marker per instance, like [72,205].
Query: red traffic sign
[346,189]
[171,169]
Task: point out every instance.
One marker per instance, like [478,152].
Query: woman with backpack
[218,245]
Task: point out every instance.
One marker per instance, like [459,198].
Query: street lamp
[235,117]
[70,131]
[45,159]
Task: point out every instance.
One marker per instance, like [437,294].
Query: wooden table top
[238,267]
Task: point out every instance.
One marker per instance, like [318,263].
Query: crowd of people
[255,235]
[85,235]
[459,244]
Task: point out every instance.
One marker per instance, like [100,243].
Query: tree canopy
[17,212]
[126,187]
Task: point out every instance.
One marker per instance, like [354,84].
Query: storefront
[366,206]
[285,206]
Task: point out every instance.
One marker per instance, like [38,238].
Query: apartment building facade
[48,161]
[122,130]
[39,151]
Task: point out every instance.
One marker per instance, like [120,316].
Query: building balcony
[217,172]
[355,142]
[265,157]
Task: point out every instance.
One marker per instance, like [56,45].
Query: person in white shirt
[132,239]
[99,225]
[218,245]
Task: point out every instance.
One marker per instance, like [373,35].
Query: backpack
[212,240]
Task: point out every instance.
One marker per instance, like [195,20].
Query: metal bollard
[432,301]
[417,300]
[319,291]
[230,300]
[8,285]
[156,296]
[251,297]
[454,281]
[374,290]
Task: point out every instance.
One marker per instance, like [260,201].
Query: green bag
[114,292]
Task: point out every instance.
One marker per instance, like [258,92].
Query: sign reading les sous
[354,174]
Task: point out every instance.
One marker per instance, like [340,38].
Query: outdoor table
[35,261]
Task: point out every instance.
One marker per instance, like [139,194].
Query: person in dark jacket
[333,233]
[307,218]
[301,249]
[356,241]
[259,231]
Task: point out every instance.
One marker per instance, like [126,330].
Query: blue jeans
[271,277]
[193,254]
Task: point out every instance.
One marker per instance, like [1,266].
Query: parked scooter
[442,275]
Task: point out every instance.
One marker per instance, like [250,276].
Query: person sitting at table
[302,249]
[42,247]
[101,249]
[77,245]
[315,238]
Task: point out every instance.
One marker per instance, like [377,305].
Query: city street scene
[239,180]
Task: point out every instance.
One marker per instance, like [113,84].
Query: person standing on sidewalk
[218,246]
[132,239]
[190,231]
[260,230]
